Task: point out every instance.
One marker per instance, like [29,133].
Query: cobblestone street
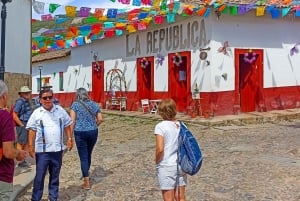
[241,163]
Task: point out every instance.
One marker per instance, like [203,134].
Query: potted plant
[193,114]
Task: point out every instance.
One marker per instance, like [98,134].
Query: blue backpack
[189,152]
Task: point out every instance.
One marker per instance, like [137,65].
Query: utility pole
[3,31]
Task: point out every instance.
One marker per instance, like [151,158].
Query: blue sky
[79,3]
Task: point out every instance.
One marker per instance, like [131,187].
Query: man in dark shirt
[7,151]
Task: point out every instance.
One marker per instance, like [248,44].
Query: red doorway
[249,78]
[179,79]
[145,77]
[97,93]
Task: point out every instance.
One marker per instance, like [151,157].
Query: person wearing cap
[21,113]
[7,150]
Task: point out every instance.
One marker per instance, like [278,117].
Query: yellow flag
[156,3]
[260,11]
[130,28]
[147,20]
[70,11]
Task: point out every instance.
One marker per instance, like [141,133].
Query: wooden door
[250,78]
[179,80]
[97,93]
[144,77]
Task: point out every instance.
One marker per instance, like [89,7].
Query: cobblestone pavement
[241,163]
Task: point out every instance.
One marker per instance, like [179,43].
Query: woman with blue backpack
[170,177]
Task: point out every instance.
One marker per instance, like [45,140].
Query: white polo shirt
[54,122]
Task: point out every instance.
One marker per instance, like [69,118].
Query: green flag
[53,7]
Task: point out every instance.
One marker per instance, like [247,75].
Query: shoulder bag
[86,108]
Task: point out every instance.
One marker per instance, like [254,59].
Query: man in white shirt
[46,126]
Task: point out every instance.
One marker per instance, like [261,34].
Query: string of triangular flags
[39,7]
[98,25]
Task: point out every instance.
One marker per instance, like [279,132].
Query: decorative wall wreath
[250,57]
[177,59]
[97,67]
[144,62]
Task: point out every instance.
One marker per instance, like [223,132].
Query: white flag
[38,7]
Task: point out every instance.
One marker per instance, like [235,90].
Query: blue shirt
[54,122]
[84,120]
[23,108]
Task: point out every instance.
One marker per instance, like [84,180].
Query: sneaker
[24,164]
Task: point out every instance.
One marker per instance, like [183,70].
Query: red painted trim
[216,103]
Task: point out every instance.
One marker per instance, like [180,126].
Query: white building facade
[236,64]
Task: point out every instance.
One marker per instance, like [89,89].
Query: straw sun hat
[24,89]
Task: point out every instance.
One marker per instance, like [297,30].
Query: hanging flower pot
[193,114]
[177,59]
[206,114]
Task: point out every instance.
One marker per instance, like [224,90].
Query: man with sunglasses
[36,99]
[47,126]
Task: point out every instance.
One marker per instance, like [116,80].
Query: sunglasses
[47,97]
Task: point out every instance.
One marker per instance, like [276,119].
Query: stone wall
[14,82]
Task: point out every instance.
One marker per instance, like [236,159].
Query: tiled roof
[51,55]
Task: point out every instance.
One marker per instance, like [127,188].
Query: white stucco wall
[275,36]
[18,37]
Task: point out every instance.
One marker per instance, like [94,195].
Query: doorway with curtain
[145,77]
[97,93]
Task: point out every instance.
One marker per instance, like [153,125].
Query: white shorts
[167,177]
